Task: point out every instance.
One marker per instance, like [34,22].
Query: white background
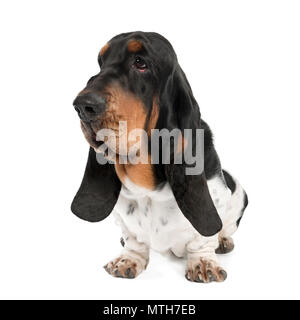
[242,61]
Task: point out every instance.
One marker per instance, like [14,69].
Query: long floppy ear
[191,191]
[99,191]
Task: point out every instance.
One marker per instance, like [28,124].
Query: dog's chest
[153,217]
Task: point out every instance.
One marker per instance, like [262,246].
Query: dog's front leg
[133,260]
[202,262]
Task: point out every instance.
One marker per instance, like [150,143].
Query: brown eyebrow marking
[103,49]
[134,46]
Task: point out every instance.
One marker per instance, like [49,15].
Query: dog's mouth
[90,134]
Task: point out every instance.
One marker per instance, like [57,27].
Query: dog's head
[136,69]
[140,82]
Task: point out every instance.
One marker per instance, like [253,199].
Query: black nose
[89,105]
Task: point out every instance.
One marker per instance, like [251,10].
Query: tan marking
[103,49]
[140,174]
[121,106]
[181,144]
[153,116]
[124,106]
[134,46]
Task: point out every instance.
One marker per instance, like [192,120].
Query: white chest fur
[153,218]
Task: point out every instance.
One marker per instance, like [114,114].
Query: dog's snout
[86,112]
[89,105]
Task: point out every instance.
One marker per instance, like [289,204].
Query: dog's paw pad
[205,271]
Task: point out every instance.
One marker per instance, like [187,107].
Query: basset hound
[157,205]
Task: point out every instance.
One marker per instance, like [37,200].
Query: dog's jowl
[156,203]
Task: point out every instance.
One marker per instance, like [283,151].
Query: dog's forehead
[134,42]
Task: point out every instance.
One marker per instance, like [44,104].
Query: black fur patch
[229,181]
[98,193]
[130,209]
[245,206]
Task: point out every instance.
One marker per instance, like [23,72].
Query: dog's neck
[140,174]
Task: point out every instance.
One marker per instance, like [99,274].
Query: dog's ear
[99,191]
[180,110]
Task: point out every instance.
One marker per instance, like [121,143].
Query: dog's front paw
[124,267]
[202,270]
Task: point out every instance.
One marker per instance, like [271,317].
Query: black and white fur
[153,220]
[188,215]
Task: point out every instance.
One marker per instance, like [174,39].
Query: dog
[157,206]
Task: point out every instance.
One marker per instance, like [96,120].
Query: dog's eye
[140,64]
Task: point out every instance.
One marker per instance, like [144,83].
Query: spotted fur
[157,223]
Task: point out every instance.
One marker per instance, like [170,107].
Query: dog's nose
[89,105]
